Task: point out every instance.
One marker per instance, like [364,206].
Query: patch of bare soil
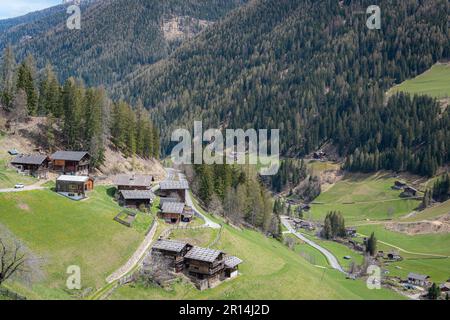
[329,177]
[116,163]
[183,27]
[23,206]
[440,225]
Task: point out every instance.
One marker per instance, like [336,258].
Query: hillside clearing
[434,82]
[362,197]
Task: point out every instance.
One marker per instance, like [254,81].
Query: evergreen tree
[7,78]
[371,245]
[434,292]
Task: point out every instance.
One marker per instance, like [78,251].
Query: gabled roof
[203,254]
[134,180]
[416,276]
[73,178]
[174,185]
[37,159]
[232,261]
[172,207]
[137,194]
[69,155]
[170,245]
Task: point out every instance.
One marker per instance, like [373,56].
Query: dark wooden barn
[174,189]
[136,198]
[71,162]
[133,182]
[205,266]
[174,251]
[34,165]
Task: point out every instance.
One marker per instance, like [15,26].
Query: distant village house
[418,279]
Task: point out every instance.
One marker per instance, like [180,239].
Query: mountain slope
[116,36]
[310,68]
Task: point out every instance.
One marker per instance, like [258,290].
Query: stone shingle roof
[69,155]
[415,276]
[203,254]
[134,180]
[137,194]
[37,159]
[174,185]
[172,207]
[232,261]
[170,245]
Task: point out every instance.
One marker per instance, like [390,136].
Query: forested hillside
[315,71]
[77,118]
[116,36]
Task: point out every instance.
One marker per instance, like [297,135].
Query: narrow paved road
[332,260]
[208,222]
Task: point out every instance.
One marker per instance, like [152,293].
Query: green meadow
[434,82]
[270,271]
[363,197]
[62,232]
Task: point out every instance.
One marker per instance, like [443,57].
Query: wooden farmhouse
[175,212]
[71,162]
[34,165]
[174,251]
[175,190]
[74,187]
[205,266]
[134,182]
[136,198]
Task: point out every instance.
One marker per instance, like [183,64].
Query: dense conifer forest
[315,71]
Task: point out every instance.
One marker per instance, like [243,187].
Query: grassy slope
[372,193]
[361,188]
[64,233]
[434,82]
[270,271]
[431,212]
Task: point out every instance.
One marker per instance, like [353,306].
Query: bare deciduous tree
[155,270]
[12,259]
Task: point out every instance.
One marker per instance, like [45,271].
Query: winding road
[332,260]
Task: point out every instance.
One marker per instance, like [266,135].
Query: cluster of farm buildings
[133,191]
[205,267]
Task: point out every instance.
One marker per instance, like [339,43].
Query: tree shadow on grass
[111,192]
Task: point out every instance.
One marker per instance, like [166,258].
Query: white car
[19,186]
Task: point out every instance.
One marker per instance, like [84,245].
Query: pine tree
[371,244]
[7,78]
[434,292]
[26,82]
